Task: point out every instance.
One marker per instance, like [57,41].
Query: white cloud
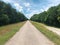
[7,1]
[18,7]
[41,10]
[28,9]
[27,4]
[45,8]
[14,4]
[54,2]
[32,13]
[50,4]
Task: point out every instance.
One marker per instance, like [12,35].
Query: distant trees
[9,15]
[50,17]
[34,18]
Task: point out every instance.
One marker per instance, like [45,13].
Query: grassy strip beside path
[52,36]
[6,32]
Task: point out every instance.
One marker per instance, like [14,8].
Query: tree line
[49,17]
[9,15]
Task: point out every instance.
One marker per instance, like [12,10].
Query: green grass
[6,32]
[49,34]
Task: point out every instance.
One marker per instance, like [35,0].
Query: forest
[50,17]
[9,15]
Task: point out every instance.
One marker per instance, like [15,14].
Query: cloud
[7,1]
[31,7]
[27,4]
[15,4]
[50,3]
[55,2]
[32,13]
[18,7]
[28,9]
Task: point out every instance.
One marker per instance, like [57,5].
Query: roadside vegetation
[9,15]
[49,34]
[6,32]
[50,17]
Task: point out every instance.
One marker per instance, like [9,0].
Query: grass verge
[6,32]
[52,36]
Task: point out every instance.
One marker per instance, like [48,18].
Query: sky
[31,7]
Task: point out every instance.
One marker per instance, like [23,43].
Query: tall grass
[49,34]
[6,32]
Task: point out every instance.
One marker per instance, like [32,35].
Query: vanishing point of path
[29,35]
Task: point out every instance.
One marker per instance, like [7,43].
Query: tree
[9,15]
[49,17]
[4,19]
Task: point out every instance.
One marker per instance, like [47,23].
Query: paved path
[29,35]
[53,29]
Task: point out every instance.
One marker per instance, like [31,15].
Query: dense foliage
[50,17]
[9,15]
